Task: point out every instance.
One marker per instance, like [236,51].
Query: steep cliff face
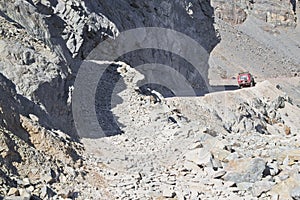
[44,42]
[42,45]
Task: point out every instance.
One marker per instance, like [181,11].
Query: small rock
[46,192]
[283,176]
[26,182]
[70,171]
[201,156]
[30,189]
[33,117]
[271,169]
[24,193]
[168,191]
[229,184]
[220,154]
[279,102]
[196,145]
[191,166]
[244,186]
[219,174]
[260,187]
[295,193]
[13,191]
[216,164]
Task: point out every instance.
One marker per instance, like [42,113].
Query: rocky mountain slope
[239,144]
[226,145]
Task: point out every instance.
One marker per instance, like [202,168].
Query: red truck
[245,79]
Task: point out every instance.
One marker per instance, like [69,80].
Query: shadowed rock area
[55,36]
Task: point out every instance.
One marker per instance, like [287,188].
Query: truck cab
[245,79]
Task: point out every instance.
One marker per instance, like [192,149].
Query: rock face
[42,45]
[240,144]
[47,41]
[10,107]
[277,13]
[234,12]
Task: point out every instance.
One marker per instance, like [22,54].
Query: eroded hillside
[238,144]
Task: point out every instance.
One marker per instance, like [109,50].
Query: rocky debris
[231,11]
[187,157]
[42,45]
[262,116]
[287,189]
[35,162]
[59,146]
[33,172]
[261,187]
[228,145]
[256,46]
[278,13]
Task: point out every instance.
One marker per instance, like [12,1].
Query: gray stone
[244,186]
[199,156]
[279,102]
[26,182]
[219,174]
[261,187]
[245,170]
[248,125]
[295,193]
[13,191]
[168,191]
[24,193]
[196,145]
[271,169]
[46,192]
[216,164]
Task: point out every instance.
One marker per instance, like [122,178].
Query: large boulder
[245,170]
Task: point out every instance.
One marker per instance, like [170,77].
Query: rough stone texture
[193,154]
[246,170]
[47,41]
[278,13]
[9,105]
[239,144]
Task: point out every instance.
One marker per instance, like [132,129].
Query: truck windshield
[244,78]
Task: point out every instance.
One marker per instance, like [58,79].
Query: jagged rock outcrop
[32,156]
[50,36]
[277,13]
[228,145]
[42,46]
[53,37]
